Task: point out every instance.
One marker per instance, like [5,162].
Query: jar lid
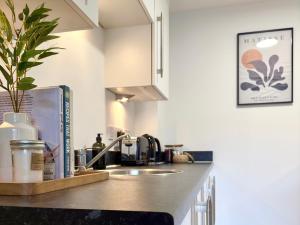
[32,144]
[174,146]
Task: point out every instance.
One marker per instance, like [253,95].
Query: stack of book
[51,112]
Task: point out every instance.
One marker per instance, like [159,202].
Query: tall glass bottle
[97,148]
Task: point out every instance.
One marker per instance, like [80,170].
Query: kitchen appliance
[131,154]
[142,148]
[146,150]
[154,149]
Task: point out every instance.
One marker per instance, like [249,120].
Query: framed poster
[265,67]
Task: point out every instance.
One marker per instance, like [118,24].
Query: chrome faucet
[105,150]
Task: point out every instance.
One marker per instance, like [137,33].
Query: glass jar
[28,161]
[80,158]
[15,126]
[171,151]
[178,149]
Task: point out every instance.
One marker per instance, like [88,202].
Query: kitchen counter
[162,200]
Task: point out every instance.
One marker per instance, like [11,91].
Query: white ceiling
[183,5]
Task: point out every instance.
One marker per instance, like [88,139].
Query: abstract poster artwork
[265,67]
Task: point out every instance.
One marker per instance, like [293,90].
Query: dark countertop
[165,197]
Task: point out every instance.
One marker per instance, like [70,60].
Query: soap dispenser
[96,149]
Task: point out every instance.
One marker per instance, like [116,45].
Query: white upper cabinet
[137,55]
[88,9]
[149,8]
[122,13]
[128,56]
[73,14]
[160,78]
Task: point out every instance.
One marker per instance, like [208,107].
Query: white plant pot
[16,126]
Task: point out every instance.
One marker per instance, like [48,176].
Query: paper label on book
[37,161]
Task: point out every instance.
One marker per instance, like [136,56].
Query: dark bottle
[97,148]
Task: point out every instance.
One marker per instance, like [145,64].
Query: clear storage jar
[28,160]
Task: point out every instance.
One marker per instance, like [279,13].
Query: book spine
[62,139]
[67,130]
[72,153]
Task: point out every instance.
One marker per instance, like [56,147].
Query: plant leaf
[6,75]
[30,54]
[11,6]
[40,33]
[26,11]
[3,57]
[43,39]
[25,86]
[20,46]
[36,15]
[27,80]
[5,26]
[10,55]
[27,65]
[47,54]
[19,53]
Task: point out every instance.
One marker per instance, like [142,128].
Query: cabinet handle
[209,215]
[207,207]
[213,199]
[201,207]
[204,208]
[161,70]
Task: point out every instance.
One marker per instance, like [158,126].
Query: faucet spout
[105,150]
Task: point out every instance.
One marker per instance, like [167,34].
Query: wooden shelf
[23,189]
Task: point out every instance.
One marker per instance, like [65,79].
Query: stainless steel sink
[142,172]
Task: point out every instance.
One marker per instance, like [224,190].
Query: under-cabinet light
[123,98]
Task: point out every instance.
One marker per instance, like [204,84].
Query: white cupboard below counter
[203,210]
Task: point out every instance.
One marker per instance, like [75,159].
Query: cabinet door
[187,219]
[87,9]
[149,7]
[160,78]
[204,213]
[128,57]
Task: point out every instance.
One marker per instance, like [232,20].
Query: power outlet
[111,132]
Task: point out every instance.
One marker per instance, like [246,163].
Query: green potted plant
[22,35]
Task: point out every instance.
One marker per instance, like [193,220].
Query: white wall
[257,149]
[80,66]
[146,119]
[119,116]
